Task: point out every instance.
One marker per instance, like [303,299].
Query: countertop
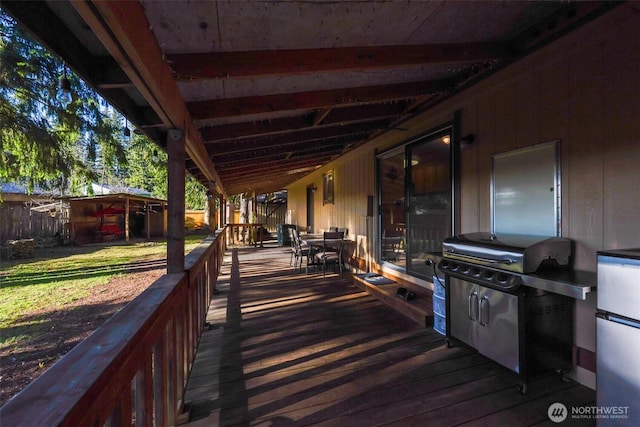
[572,283]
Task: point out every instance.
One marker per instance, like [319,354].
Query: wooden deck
[288,349]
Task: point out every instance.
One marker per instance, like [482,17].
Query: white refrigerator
[618,338]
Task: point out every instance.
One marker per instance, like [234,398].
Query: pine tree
[42,142]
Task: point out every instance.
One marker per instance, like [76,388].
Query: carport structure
[119,215]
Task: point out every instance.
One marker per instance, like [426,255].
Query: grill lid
[517,253]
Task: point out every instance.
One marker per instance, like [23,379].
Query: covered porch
[284,348]
[293,349]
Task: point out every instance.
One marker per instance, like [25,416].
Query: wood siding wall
[583,90]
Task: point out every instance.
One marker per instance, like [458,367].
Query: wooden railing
[134,368]
[245,233]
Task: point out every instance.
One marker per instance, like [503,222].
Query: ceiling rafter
[273,166]
[334,116]
[306,136]
[282,155]
[233,107]
[248,64]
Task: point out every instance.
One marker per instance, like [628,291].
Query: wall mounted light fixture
[467,139]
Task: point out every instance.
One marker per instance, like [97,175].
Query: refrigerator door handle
[622,320]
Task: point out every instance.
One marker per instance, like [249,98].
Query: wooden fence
[133,370]
[20,222]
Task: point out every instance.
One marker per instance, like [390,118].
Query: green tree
[147,167]
[147,170]
[195,196]
[42,142]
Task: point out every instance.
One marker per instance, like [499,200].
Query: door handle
[483,307]
[473,305]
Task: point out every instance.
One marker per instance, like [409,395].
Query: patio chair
[293,248]
[331,252]
[300,251]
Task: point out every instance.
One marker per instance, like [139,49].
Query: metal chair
[300,251]
[331,252]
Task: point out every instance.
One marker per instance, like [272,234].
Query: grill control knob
[476,272]
[503,278]
[488,275]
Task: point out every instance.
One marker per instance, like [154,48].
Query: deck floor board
[283,348]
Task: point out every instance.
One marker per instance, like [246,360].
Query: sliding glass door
[392,208]
[415,193]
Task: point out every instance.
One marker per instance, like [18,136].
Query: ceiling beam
[281,156]
[279,167]
[306,136]
[334,116]
[221,65]
[232,107]
[261,127]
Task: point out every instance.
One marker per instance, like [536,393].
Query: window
[327,188]
[415,191]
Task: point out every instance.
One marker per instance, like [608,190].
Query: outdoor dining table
[317,241]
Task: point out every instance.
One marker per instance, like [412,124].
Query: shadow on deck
[287,349]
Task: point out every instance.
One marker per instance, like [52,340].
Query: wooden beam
[333,117]
[280,164]
[221,65]
[218,108]
[246,129]
[226,161]
[306,136]
[321,116]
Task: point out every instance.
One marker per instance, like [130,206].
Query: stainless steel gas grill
[490,307]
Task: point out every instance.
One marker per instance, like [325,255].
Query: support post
[223,211]
[147,220]
[211,201]
[126,219]
[175,198]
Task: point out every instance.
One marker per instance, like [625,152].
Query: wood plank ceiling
[268,91]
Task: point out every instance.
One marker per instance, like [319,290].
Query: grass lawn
[61,275]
